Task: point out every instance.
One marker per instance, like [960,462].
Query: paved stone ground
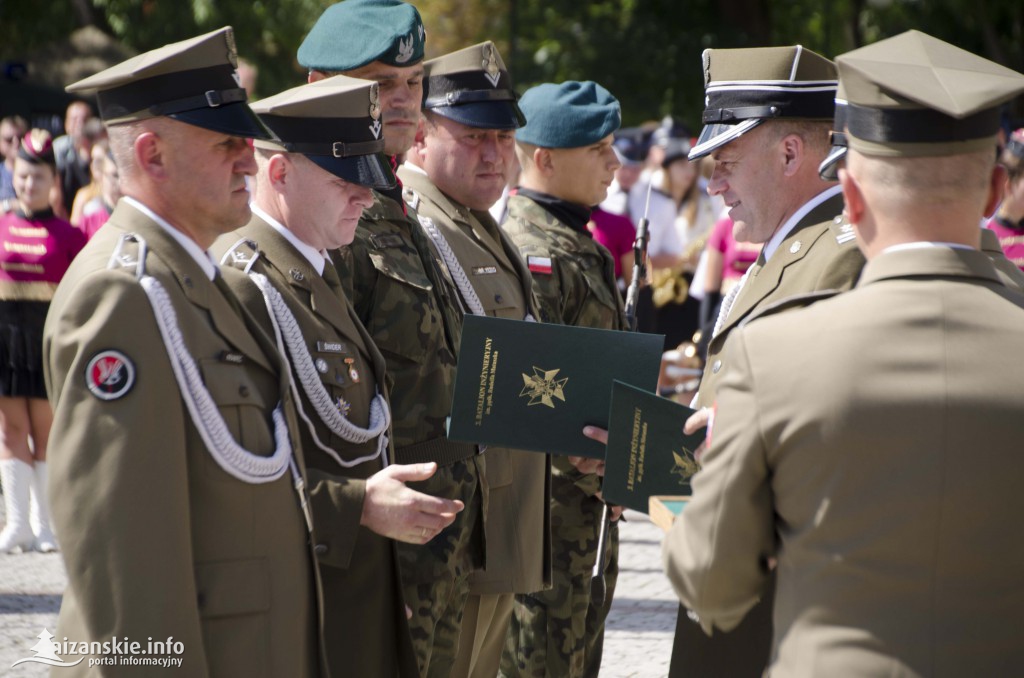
[638,642]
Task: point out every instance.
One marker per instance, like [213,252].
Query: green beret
[353,33]
[569,115]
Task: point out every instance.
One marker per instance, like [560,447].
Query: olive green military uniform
[518,524]
[408,308]
[560,632]
[159,540]
[363,612]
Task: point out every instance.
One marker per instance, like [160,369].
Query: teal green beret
[354,33]
[568,115]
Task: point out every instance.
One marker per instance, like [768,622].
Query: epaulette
[842,230]
[795,301]
[242,255]
[129,253]
[411,197]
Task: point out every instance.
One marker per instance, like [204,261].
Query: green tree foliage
[647,52]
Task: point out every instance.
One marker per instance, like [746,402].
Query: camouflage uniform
[402,297]
[559,633]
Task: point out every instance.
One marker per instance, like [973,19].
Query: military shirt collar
[922,244]
[316,259]
[782,233]
[201,256]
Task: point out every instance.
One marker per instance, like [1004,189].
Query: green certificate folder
[534,386]
[648,454]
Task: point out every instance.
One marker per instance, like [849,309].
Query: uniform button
[243,391]
[716,366]
[498,298]
[321,549]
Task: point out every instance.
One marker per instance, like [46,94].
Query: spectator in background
[1008,222]
[681,216]
[98,210]
[248,74]
[727,259]
[73,151]
[616,233]
[12,129]
[91,190]
[38,247]
[630,147]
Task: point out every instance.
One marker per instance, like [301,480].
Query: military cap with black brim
[354,33]
[336,124]
[913,95]
[828,170]
[193,81]
[472,87]
[745,87]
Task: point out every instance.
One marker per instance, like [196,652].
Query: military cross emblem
[542,388]
[375,110]
[490,65]
[685,465]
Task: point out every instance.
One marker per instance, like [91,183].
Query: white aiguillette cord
[288,334]
[455,268]
[229,455]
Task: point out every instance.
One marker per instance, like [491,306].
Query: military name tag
[331,347]
[383,241]
[229,357]
[485,270]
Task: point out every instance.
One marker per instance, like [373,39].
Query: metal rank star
[542,387]
[352,372]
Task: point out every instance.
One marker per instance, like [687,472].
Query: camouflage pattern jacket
[574,279]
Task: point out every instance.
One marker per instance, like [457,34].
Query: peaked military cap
[353,33]
[914,95]
[745,87]
[630,146]
[472,86]
[568,115]
[193,81]
[335,123]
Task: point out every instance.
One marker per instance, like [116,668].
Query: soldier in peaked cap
[326,150]
[907,401]
[829,171]
[767,117]
[565,150]
[177,491]
[456,169]
[402,292]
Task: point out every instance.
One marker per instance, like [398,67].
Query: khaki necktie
[730,300]
[332,278]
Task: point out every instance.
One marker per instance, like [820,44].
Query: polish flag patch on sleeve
[539,264]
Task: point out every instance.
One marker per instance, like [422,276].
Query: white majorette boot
[39,514]
[17,479]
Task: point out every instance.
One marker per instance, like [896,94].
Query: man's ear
[793,153]
[150,155]
[421,133]
[280,171]
[314,75]
[852,197]
[543,159]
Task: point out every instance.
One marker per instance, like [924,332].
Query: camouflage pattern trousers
[559,633]
[435,576]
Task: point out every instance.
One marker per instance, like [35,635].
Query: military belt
[440,450]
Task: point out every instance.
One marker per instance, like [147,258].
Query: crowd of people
[229,334]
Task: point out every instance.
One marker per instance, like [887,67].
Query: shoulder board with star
[411,197]
[842,230]
[241,255]
[789,303]
[129,255]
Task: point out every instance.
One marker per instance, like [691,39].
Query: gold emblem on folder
[542,387]
[686,465]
